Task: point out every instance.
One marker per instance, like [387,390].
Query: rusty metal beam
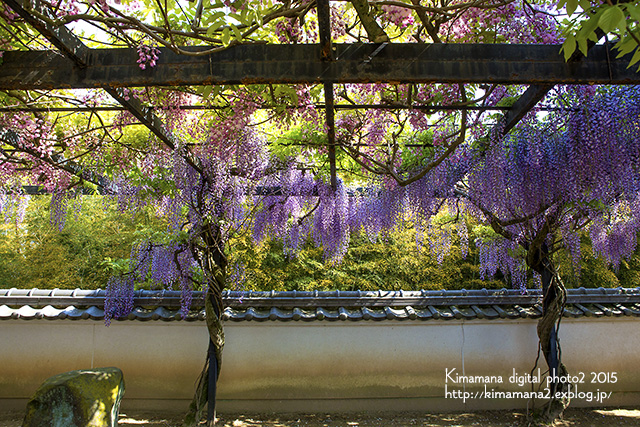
[60,37]
[324,31]
[355,63]
[427,108]
[331,134]
[144,115]
[523,105]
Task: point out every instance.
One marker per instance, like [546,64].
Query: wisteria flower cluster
[147,56]
[400,16]
[578,168]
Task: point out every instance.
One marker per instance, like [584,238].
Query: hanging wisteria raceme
[378,209]
[331,226]
[13,205]
[614,234]
[119,300]
[558,174]
[58,208]
[463,235]
[499,256]
[304,206]
[385,206]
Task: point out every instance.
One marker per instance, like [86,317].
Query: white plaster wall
[320,365]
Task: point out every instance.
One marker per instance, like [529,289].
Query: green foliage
[621,19]
[90,248]
[593,273]
[97,243]
[392,264]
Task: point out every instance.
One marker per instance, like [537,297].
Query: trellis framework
[539,66]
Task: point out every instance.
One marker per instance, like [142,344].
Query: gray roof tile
[373,314]
[423,313]
[571,312]
[606,310]
[584,310]
[422,305]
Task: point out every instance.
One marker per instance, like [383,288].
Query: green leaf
[226,36]
[277,91]
[625,46]
[214,27]
[244,16]
[237,32]
[612,18]
[634,11]
[216,90]
[569,46]
[590,25]
[582,45]
[585,4]
[635,58]
[257,17]
[206,92]
[571,6]
[218,15]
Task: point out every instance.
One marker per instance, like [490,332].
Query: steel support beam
[299,64]
[427,108]
[523,105]
[60,37]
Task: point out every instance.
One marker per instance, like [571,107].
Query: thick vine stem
[203,397]
[553,306]
[199,402]
[213,309]
[374,32]
[554,297]
[214,266]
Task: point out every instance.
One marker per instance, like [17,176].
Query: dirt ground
[574,417]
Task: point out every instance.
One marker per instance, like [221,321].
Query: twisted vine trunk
[554,296]
[214,265]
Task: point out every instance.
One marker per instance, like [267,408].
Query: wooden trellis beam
[299,64]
